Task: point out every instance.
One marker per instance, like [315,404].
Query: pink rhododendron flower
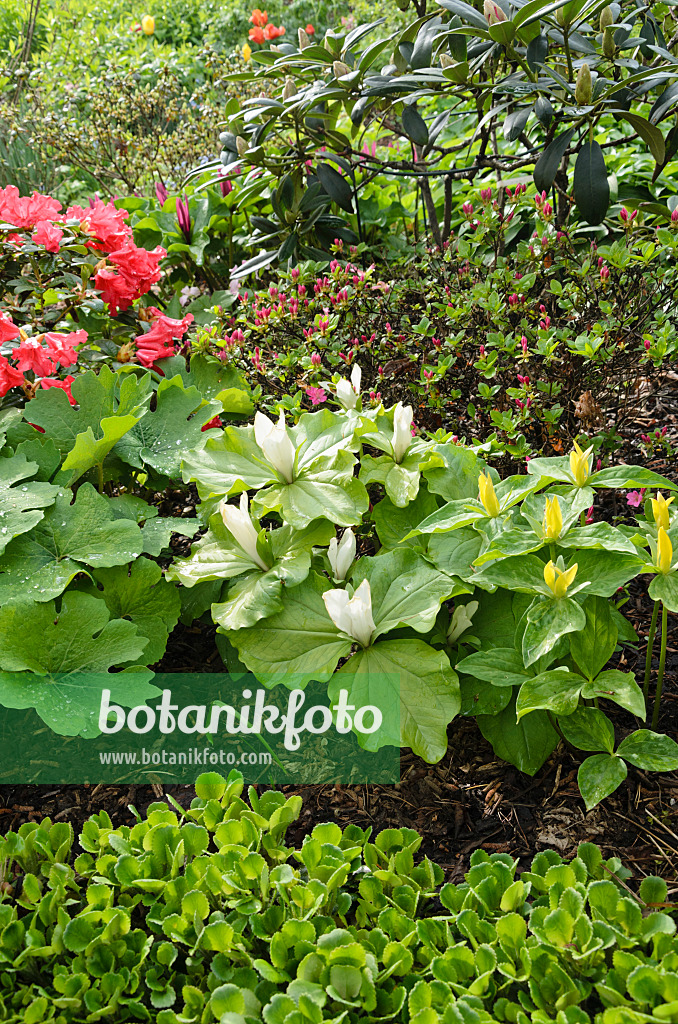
[26,211]
[65,385]
[47,234]
[8,330]
[317,395]
[30,355]
[9,377]
[158,342]
[61,346]
[105,222]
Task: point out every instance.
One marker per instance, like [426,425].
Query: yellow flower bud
[553,519]
[660,510]
[148,24]
[488,498]
[664,551]
[558,580]
[247,52]
[579,465]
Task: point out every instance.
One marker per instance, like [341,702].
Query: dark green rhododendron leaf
[21,499]
[141,595]
[57,662]
[413,686]
[162,437]
[591,187]
[39,565]
[526,743]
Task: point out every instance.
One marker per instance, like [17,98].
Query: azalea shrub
[217,916]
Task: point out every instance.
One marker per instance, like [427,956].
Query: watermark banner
[138,727]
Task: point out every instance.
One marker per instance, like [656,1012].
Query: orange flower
[271,32]
[259,18]
[310,31]
[257,35]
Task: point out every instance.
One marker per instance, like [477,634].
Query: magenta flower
[635,498]
[184,218]
[317,395]
[160,192]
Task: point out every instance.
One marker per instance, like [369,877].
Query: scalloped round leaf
[21,507]
[142,596]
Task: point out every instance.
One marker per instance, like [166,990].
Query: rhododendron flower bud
[275,444]
[304,41]
[583,87]
[289,89]
[241,145]
[606,18]
[609,45]
[488,497]
[341,554]
[493,13]
[160,192]
[340,69]
[239,524]
[352,615]
[402,430]
[468,209]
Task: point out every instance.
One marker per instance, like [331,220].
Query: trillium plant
[349,550]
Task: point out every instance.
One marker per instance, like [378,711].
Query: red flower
[105,222]
[310,31]
[30,355]
[8,330]
[256,34]
[65,385]
[138,271]
[60,346]
[213,424]
[271,32]
[158,342]
[26,211]
[47,234]
[258,18]
[9,377]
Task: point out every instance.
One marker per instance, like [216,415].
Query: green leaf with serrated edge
[598,776]
[619,687]
[21,506]
[630,476]
[547,621]
[588,729]
[526,743]
[406,590]
[501,666]
[213,379]
[412,685]
[39,565]
[651,751]
[455,552]
[162,437]
[142,596]
[296,645]
[77,646]
[44,453]
[664,588]
[90,450]
[156,533]
[606,571]
[326,488]
[556,690]
[99,396]
[594,645]
[458,479]
[393,523]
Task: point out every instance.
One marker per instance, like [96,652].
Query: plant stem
[650,645]
[660,674]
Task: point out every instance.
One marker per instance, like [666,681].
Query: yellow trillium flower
[247,52]
[660,510]
[148,24]
[664,551]
[553,519]
[558,580]
[488,498]
[579,464]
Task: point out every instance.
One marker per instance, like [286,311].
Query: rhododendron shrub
[67,275]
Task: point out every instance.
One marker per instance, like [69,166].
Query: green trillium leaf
[650,751]
[526,743]
[598,776]
[588,729]
[501,666]
[556,690]
[594,645]
[547,621]
[619,687]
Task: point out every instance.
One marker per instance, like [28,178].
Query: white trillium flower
[239,524]
[341,554]
[461,620]
[352,615]
[349,392]
[402,430]
[275,443]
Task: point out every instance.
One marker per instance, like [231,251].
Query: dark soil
[470,799]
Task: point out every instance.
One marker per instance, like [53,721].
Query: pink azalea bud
[624,214]
[647,344]
[468,209]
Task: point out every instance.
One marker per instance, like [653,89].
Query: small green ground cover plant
[206,914]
